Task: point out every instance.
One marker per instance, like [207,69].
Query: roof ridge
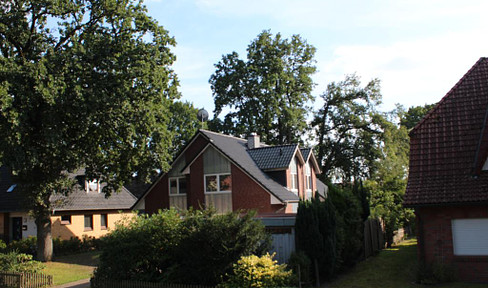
[427,116]
[221,134]
[273,146]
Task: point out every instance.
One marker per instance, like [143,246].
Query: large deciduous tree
[268,92]
[83,84]
[347,128]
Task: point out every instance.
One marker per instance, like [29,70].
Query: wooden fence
[24,280]
[373,237]
[96,283]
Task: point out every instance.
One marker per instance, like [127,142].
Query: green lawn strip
[71,268]
[395,267]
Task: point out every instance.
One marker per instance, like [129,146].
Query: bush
[254,271]
[194,247]
[301,259]
[19,262]
[435,273]
[25,246]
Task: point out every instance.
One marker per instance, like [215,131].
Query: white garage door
[470,236]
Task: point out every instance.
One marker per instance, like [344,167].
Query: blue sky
[419,49]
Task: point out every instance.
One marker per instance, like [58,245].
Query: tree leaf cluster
[268,93]
[83,84]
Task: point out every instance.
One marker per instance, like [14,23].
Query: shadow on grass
[85,259]
[394,267]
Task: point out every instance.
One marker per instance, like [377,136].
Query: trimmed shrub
[262,272]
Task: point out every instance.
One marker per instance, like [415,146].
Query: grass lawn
[393,267]
[71,268]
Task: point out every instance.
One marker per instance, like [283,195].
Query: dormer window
[92,186]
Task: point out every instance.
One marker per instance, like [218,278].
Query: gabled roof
[79,199]
[273,157]
[450,145]
[236,150]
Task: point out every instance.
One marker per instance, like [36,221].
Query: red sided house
[230,174]
[448,178]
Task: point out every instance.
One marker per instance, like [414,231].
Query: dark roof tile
[450,145]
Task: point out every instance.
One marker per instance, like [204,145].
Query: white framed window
[177,185]
[92,186]
[216,183]
[294,175]
[308,182]
[470,237]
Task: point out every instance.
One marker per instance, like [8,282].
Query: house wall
[158,197]
[278,176]
[435,243]
[247,194]
[29,228]
[196,194]
[77,226]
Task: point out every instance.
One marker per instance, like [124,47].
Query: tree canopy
[347,128]
[83,84]
[267,93]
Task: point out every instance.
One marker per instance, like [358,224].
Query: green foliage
[184,124]
[350,227]
[435,273]
[3,246]
[347,130]
[195,247]
[316,230]
[387,185]
[75,245]
[221,241]
[141,250]
[83,84]
[26,246]
[263,272]
[414,114]
[300,259]
[268,92]
[19,262]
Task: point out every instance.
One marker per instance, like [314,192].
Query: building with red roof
[448,178]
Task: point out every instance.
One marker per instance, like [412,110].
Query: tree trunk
[44,237]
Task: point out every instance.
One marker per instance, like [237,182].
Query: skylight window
[11,188]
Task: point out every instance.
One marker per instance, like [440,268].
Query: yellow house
[85,212]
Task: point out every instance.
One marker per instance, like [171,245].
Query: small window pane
[225,182]
[88,222]
[182,182]
[173,186]
[66,219]
[294,181]
[103,221]
[211,183]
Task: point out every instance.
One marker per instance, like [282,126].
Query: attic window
[11,188]
[92,186]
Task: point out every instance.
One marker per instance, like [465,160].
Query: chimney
[253,141]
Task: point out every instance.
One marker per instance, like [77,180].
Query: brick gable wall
[435,240]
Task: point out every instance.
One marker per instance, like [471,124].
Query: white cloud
[412,72]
